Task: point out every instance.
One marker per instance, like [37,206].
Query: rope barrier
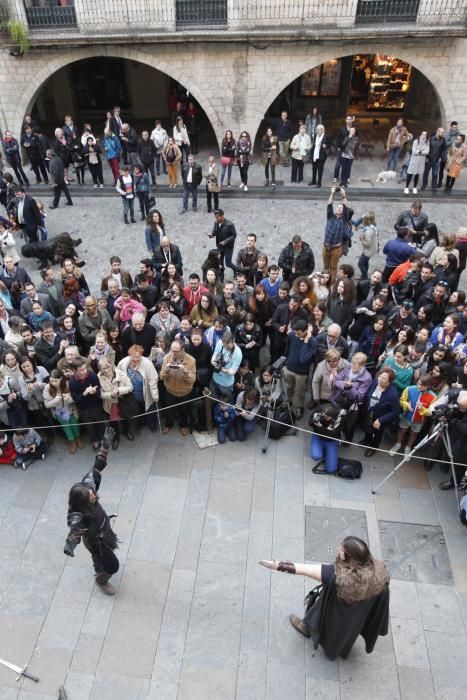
[211,397]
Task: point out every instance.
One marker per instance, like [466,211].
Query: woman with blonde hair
[447,246]
[114,384]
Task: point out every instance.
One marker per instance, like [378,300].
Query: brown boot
[72,447]
[106,587]
[299,625]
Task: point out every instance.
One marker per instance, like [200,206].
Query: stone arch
[309,57]
[158,62]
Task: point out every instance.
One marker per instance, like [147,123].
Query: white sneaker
[245,189]
[415,191]
[395,448]
[334,179]
[241,185]
[406,190]
[95,187]
[407,450]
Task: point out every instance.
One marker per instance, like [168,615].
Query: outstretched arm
[289,567]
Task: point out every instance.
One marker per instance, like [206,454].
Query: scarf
[355,583]
[100,353]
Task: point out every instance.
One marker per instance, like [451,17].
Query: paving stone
[143,587]
[285,681]
[130,644]
[219,684]
[169,656]
[79,685]
[409,643]
[418,506]
[117,686]
[252,676]
[62,627]
[447,658]
[325,528]
[404,602]
[168,691]
[322,689]
[379,679]
[18,639]
[174,460]
[318,666]
[51,665]
[439,608]
[213,638]
[225,534]
[415,683]
[86,654]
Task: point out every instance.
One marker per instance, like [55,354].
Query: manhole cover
[415,552]
[325,528]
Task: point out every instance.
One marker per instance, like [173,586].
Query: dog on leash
[386,175]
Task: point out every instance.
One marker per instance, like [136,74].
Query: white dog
[386,175]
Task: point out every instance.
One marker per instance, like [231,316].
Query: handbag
[312,597]
[128,406]
[151,202]
[212,186]
[226,160]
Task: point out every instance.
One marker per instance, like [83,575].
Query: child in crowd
[126,305]
[224,418]
[415,402]
[7,451]
[28,446]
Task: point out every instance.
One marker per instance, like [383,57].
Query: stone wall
[235,82]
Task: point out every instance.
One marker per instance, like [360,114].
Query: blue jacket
[387,408]
[112,146]
[142,183]
[220,420]
[300,355]
[397,251]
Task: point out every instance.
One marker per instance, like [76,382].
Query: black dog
[54,250]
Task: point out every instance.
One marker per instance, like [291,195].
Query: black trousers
[103,557]
[174,411]
[19,172]
[318,167]
[58,189]
[96,173]
[297,170]
[39,169]
[149,168]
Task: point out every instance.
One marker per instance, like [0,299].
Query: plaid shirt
[337,228]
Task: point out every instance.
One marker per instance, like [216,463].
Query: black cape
[336,625]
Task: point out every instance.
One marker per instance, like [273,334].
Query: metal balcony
[42,14]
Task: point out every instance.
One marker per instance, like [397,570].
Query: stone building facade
[234,74]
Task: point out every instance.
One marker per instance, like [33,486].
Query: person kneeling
[28,446]
[327,423]
[246,408]
[224,418]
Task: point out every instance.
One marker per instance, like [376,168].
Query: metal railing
[375,11]
[60,20]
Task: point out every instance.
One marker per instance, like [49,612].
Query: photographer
[301,351]
[179,376]
[338,232]
[452,408]
[226,360]
[327,423]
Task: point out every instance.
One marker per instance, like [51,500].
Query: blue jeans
[337,166]
[243,427]
[328,450]
[128,206]
[393,157]
[225,260]
[160,159]
[229,173]
[187,188]
[434,167]
[229,432]
[363,264]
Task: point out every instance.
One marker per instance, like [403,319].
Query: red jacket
[192,298]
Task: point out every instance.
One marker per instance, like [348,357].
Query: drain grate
[416,552]
[325,528]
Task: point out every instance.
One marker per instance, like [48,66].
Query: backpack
[349,469]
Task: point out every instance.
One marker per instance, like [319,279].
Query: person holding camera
[452,409]
[226,360]
[301,351]
[326,422]
[179,376]
[338,232]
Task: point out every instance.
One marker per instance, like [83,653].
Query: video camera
[447,411]
[278,366]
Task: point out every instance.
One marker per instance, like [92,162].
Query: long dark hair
[63,386]
[150,222]
[78,499]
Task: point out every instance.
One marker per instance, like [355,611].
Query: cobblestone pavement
[195,617]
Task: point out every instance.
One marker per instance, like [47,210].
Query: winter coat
[321,391]
[304,263]
[150,379]
[269,154]
[112,146]
[147,151]
[295,146]
[120,381]
[417,159]
[178,382]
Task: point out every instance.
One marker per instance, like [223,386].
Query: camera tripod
[278,389]
[439,430]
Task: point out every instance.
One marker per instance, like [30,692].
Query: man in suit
[27,215]
[57,173]
[225,234]
[192,177]
[25,307]
[52,287]
[117,273]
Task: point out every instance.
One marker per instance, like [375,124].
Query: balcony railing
[57,21]
[49,14]
[375,11]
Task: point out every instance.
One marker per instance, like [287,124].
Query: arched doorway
[377,88]
[89,87]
